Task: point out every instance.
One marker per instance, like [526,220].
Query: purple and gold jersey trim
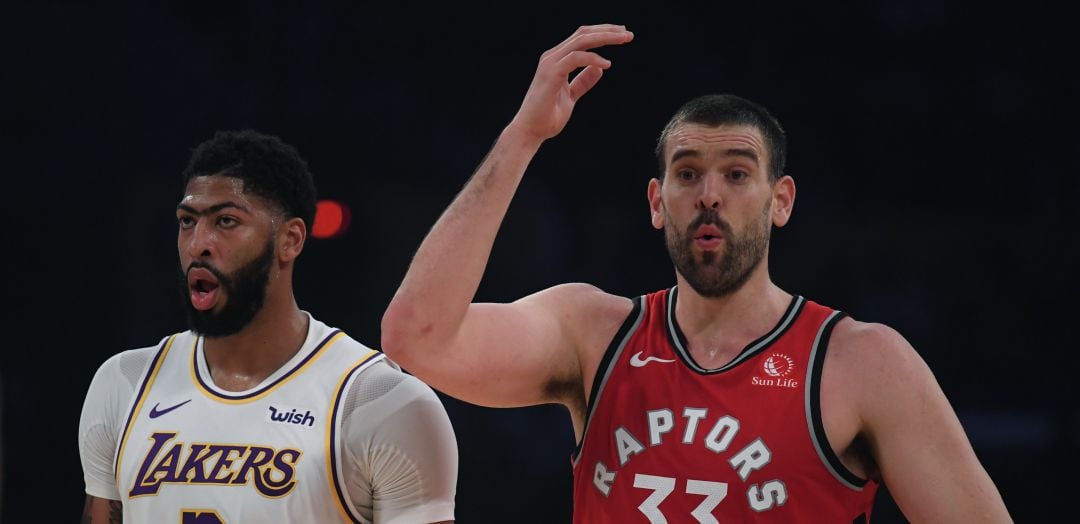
[200,384]
[140,397]
[343,503]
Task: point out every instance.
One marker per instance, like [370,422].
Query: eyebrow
[212,209]
[745,153]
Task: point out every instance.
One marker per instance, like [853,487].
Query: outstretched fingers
[589,37]
[575,54]
[552,95]
[583,41]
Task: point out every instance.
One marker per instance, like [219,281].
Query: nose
[710,197]
[199,241]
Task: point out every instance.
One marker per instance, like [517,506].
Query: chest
[185,435]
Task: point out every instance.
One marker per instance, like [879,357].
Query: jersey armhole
[622,336]
[343,402]
[813,407]
[148,377]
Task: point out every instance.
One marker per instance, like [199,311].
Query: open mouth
[204,289]
[708,236]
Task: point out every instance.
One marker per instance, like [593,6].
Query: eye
[227,221]
[686,175]
[738,175]
[185,221]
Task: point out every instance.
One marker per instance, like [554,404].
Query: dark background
[933,144]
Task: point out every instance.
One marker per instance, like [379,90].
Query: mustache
[710,217]
[222,277]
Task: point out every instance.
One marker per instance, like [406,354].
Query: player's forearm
[102,511]
[430,304]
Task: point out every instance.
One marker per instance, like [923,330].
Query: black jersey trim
[813,407]
[678,339]
[603,371]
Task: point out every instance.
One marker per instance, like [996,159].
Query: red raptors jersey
[666,440]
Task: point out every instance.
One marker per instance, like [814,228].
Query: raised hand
[433,328]
[552,95]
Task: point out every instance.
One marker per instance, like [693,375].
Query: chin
[710,258]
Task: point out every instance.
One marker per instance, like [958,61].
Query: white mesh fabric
[103,415]
[133,365]
[373,383]
[400,454]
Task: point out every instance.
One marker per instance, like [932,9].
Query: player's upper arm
[921,450]
[99,431]
[522,353]
[401,453]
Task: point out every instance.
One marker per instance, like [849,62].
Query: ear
[656,205]
[783,200]
[291,239]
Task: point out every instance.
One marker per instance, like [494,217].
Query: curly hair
[268,167]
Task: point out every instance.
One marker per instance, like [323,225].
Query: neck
[718,328]
[243,360]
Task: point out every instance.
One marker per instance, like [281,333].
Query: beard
[718,273]
[244,291]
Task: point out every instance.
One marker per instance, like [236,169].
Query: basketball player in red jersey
[724,398]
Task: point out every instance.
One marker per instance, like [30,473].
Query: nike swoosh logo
[154,413]
[637,362]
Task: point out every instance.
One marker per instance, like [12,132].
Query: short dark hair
[268,167]
[718,110]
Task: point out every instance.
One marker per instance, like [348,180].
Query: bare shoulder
[871,350]
[583,307]
[591,317]
[879,388]
[584,298]
[876,367]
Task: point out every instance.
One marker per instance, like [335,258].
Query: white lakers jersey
[189,452]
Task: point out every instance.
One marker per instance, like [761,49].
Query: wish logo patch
[290,415]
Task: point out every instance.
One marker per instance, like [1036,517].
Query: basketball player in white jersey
[259,413]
